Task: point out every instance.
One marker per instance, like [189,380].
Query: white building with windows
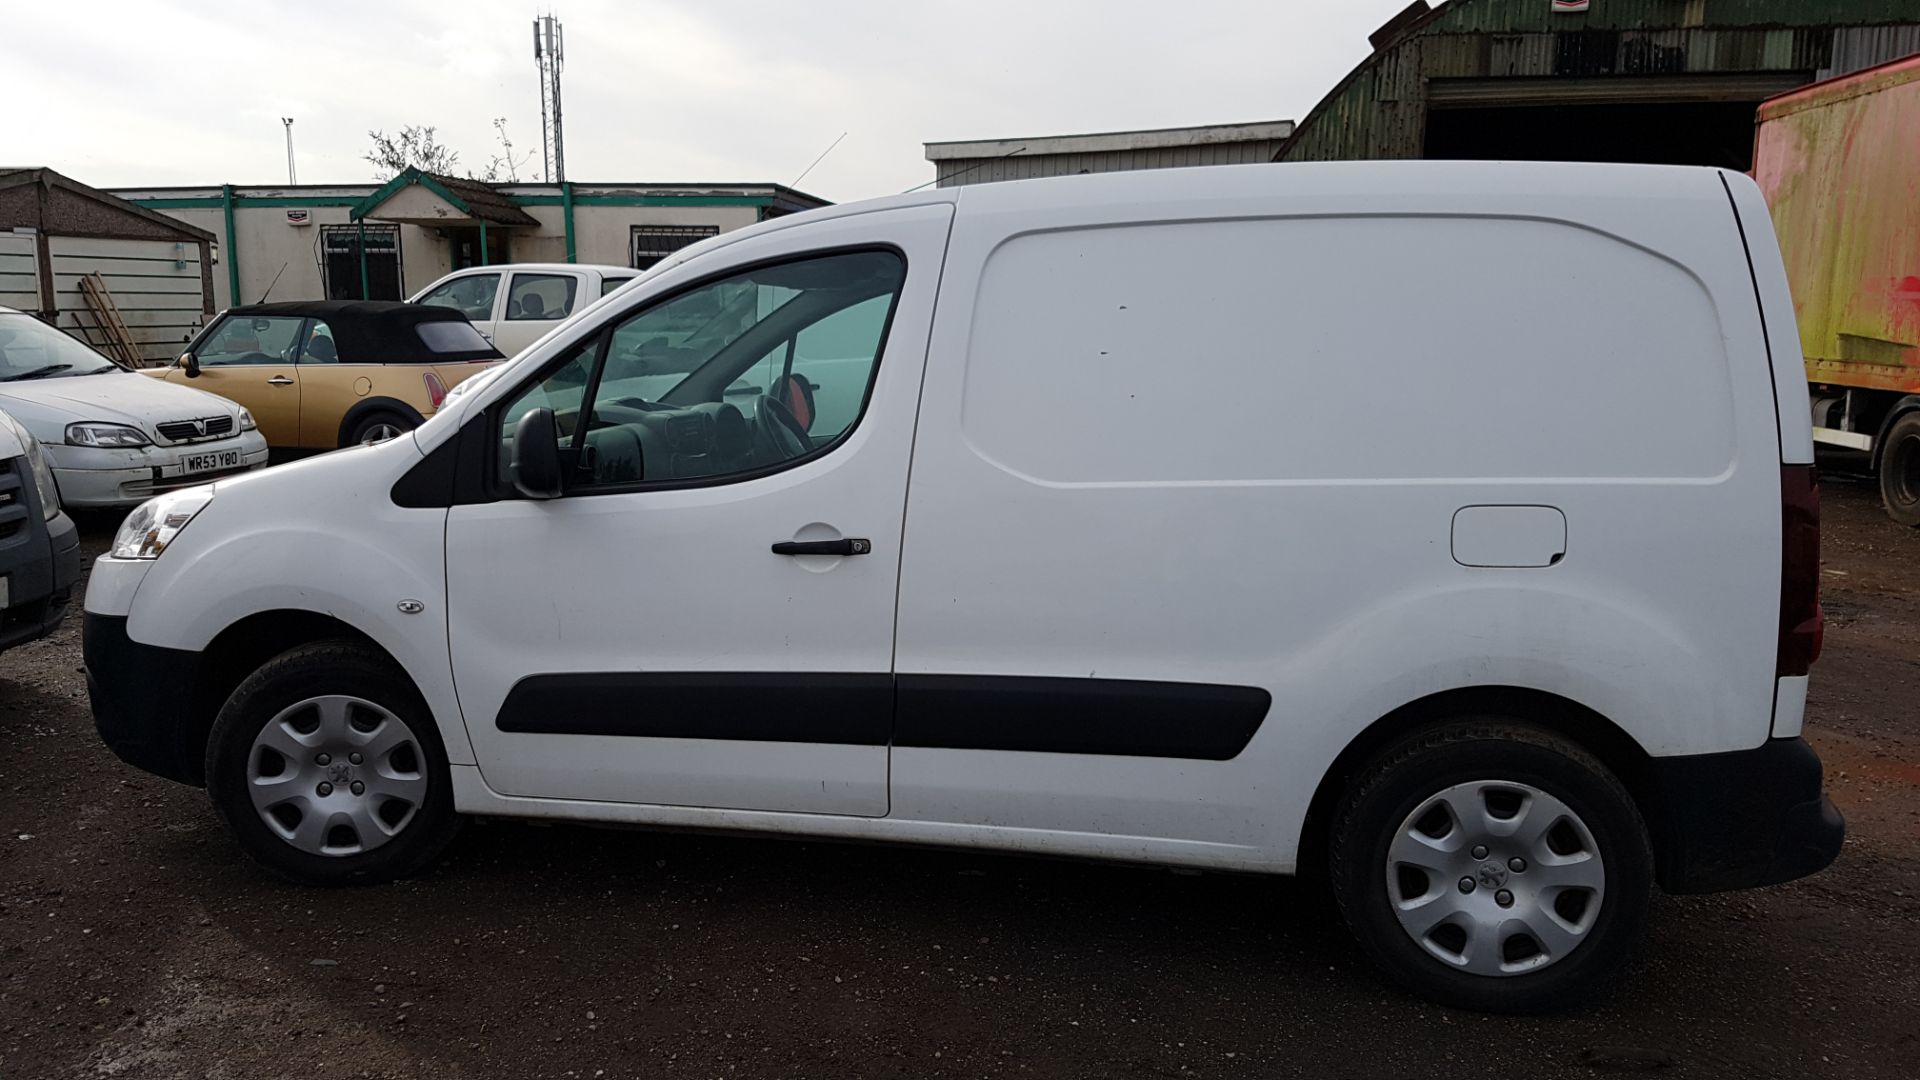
[386,241]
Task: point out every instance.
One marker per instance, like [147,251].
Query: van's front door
[653,635]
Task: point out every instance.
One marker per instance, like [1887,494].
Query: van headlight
[37,463]
[153,525]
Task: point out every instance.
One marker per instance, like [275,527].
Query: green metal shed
[1666,81]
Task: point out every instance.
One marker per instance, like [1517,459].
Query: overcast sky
[152,92]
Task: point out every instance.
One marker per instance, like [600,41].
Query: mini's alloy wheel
[380,432]
[336,775]
[1495,877]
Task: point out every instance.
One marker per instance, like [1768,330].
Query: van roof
[1426,180]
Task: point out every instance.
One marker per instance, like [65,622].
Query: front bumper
[40,569]
[1742,819]
[98,477]
[142,699]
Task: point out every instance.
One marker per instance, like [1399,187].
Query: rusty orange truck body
[1839,162]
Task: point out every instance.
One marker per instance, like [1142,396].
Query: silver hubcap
[336,775]
[381,433]
[1495,877]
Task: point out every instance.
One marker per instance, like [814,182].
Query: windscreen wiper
[38,373]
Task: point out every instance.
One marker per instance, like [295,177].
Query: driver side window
[241,340]
[733,377]
[560,391]
[471,295]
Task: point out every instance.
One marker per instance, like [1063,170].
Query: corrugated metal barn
[1662,81]
[55,231]
[983,161]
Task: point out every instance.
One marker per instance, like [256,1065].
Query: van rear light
[1801,621]
[436,390]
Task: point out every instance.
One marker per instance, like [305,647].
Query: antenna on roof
[816,161]
[275,281]
[964,172]
[292,178]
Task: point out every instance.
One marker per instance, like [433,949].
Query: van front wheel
[1491,865]
[327,768]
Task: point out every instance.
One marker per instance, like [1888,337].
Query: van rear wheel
[1900,470]
[1491,865]
[327,768]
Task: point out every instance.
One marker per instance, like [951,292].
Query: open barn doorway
[1682,133]
[1696,119]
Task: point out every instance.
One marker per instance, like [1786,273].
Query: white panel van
[1446,528]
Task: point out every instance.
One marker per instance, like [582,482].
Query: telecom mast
[549,49]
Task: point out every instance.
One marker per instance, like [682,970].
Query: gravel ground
[135,941]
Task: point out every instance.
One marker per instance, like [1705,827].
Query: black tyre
[1491,865]
[378,427]
[1900,470]
[326,766]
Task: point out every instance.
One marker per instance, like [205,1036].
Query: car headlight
[43,478]
[37,463]
[107,435]
[246,421]
[154,523]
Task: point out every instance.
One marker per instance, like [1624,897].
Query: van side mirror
[190,364]
[535,467]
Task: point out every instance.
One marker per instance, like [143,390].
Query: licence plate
[218,459]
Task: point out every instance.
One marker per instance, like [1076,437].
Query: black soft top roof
[375,331]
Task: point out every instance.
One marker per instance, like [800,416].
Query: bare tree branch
[414,147]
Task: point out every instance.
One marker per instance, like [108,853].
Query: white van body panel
[1377,343]
[1206,426]
[319,535]
[473,796]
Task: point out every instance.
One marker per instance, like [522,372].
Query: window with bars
[651,243]
[340,262]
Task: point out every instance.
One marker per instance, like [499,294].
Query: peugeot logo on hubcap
[1492,876]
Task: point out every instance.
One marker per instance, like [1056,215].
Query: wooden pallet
[119,345]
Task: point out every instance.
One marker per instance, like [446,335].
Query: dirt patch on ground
[135,941]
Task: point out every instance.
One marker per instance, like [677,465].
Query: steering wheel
[777,435]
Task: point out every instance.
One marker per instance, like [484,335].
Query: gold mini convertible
[325,373]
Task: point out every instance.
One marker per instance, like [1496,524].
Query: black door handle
[823,547]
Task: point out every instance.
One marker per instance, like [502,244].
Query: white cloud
[123,92]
